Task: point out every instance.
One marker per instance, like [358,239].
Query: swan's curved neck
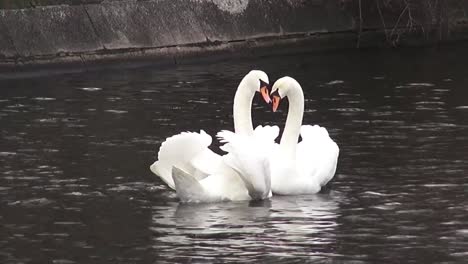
[242,110]
[292,128]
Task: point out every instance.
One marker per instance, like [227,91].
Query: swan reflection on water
[286,223]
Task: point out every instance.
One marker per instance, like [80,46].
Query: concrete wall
[87,31]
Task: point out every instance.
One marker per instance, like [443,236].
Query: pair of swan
[254,166]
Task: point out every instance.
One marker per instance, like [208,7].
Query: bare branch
[398,20]
[382,19]
[360,25]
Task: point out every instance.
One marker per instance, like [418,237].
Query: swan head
[258,81]
[281,89]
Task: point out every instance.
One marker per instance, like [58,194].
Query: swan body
[304,167]
[186,164]
[242,174]
[249,157]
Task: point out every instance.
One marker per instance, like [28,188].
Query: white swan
[300,168]
[186,164]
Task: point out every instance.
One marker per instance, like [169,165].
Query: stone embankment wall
[57,32]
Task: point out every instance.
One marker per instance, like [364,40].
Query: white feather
[186,151]
[186,163]
[301,168]
[317,155]
[249,157]
[197,174]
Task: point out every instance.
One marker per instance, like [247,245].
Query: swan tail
[254,174]
[180,150]
[188,189]
[160,170]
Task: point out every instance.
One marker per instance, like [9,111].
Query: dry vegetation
[428,18]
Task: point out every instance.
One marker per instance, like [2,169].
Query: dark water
[75,186]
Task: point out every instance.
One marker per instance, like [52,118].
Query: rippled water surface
[75,185]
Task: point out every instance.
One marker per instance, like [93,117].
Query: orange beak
[264,92]
[276,101]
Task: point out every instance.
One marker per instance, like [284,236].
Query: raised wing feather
[263,137]
[187,152]
[266,133]
[317,155]
[314,133]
